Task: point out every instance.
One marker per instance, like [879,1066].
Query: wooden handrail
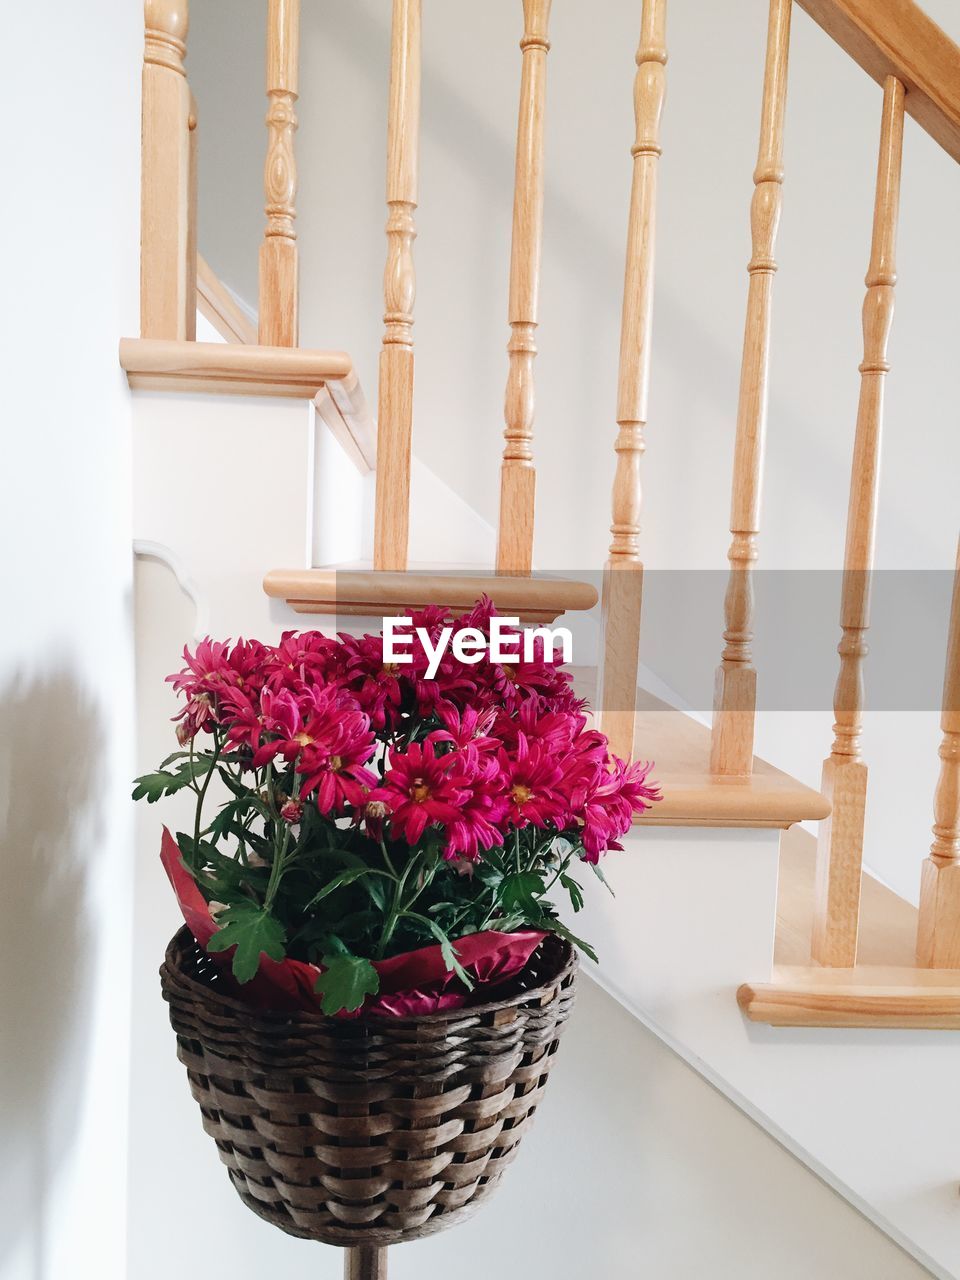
[896,38]
[844,779]
[216,303]
[623,576]
[395,410]
[167,221]
[279,262]
[517,474]
[735,698]
[343,407]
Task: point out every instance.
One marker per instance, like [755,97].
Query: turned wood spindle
[938,930]
[167,277]
[395,414]
[844,778]
[735,694]
[279,265]
[517,474]
[193,148]
[623,576]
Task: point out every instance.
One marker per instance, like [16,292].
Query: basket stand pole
[365,1262]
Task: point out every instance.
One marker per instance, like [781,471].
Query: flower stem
[201,793]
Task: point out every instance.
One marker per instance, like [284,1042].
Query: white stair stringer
[870,1112]
[229,486]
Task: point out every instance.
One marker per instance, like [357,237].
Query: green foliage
[254,932]
[154,786]
[519,891]
[325,892]
[346,982]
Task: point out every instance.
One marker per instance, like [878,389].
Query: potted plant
[372,979]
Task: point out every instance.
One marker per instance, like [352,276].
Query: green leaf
[574,890]
[375,889]
[230,812]
[345,983]
[153,786]
[339,880]
[174,755]
[254,932]
[561,929]
[450,957]
[595,868]
[507,924]
[519,891]
[242,790]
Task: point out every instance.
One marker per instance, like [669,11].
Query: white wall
[70,270]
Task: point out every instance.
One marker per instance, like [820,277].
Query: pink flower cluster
[477,752]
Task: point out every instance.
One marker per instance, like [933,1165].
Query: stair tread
[356,589]
[693,796]
[156,364]
[885,989]
[895,996]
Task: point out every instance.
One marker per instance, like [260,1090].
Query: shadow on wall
[50,828]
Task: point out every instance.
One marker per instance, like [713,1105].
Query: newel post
[167,276]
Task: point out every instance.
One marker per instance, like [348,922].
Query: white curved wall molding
[146,550]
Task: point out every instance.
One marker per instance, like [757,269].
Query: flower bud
[292,811]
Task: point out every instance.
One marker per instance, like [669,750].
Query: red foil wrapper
[412,983]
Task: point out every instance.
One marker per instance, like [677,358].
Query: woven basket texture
[370,1130]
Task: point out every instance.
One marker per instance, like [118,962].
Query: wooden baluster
[392,521]
[735,695]
[938,930]
[517,475]
[192,254]
[279,260]
[844,779]
[623,578]
[167,305]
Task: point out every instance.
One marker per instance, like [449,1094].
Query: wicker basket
[367,1131]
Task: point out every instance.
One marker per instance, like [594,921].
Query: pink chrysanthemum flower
[214,670]
[478,825]
[420,789]
[301,658]
[375,684]
[533,783]
[608,813]
[468,727]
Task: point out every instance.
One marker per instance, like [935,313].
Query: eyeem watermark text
[506,643]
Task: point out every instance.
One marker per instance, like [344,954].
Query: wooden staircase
[710,776]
